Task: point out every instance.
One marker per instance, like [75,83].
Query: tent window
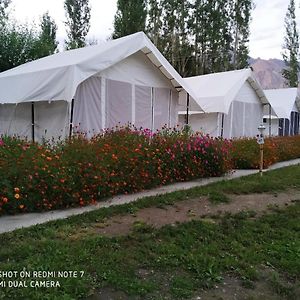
[87,116]
[118,103]
[161,107]
[143,110]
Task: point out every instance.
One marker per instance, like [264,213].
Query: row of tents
[129,81]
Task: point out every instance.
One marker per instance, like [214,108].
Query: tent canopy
[215,92]
[56,77]
[282,101]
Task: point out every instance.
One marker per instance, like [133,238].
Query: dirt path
[187,210]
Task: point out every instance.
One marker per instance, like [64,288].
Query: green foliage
[218,197]
[130,17]
[240,17]
[178,260]
[290,52]
[245,152]
[21,43]
[201,36]
[78,15]
[3,6]
[79,171]
[47,43]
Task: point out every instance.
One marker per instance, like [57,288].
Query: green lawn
[174,262]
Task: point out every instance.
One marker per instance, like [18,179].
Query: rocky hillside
[268,72]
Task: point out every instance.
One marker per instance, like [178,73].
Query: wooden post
[261,166]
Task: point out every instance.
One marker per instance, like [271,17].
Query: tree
[21,43]
[130,17]
[78,15]
[3,6]
[240,12]
[47,43]
[154,23]
[290,52]
[17,45]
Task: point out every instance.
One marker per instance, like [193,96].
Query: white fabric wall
[51,120]
[16,119]
[205,123]
[87,116]
[245,114]
[143,108]
[118,103]
[274,127]
[162,99]
[174,108]
[105,103]
[137,69]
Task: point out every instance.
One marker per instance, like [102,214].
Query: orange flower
[5,200]
[21,206]
[17,190]
[49,158]
[17,196]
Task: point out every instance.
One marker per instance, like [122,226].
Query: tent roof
[215,92]
[282,101]
[56,77]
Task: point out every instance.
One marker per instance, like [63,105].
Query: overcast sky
[267,27]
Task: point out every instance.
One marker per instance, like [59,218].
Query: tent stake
[71,119]
[32,121]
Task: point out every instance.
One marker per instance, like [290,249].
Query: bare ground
[192,209]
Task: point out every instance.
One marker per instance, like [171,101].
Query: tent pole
[71,119]
[222,126]
[152,109]
[32,121]
[187,108]
[270,131]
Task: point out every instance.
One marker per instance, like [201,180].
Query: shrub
[245,152]
[81,171]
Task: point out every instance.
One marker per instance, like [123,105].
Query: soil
[193,209]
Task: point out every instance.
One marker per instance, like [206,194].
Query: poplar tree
[130,17]
[290,52]
[211,32]
[175,44]
[47,43]
[240,12]
[154,22]
[78,14]
[3,6]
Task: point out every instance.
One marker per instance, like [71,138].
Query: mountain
[268,72]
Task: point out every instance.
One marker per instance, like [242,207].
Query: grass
[179,260]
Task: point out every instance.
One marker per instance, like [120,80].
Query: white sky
[267,27]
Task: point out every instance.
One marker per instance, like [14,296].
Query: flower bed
[245,152]
[79,171]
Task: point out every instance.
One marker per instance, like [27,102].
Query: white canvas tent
[285,105]
[228,104]
[92,88]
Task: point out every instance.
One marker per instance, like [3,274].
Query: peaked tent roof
[282,101]
[215,92]
[56,77]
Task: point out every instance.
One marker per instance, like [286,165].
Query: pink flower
[1,142]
